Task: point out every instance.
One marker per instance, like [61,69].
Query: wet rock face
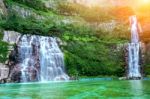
[16,74]
[26,62]
[37,58]
[4,72]
[34,58]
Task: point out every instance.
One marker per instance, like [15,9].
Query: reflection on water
[40,91]
[105,89]
[137,89]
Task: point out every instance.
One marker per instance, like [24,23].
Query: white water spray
[134,48]
[41,59]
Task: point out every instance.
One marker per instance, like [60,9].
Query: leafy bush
[3,51]
[146,65]
[29,25]
[36,4]
[93,59]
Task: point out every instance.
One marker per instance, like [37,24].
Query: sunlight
[144,1]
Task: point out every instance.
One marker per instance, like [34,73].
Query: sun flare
[145,1]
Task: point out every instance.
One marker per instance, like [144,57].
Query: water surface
[83,89]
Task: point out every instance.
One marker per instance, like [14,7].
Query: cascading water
[40,59]
[133,50]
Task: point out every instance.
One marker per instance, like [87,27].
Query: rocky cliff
[93,38]
[12,38]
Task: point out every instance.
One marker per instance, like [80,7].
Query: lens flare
[145,1]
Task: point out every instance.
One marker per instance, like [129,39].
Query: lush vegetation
[146,66]
[28,25]
[36,4]
[89,50]
[3,49]
[93,59]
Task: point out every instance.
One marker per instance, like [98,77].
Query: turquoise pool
[83,89]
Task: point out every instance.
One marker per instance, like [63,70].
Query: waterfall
[40,59]
[133,50]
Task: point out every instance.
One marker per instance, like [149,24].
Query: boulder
[11,37]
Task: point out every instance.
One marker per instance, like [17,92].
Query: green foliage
[93,59]
[70,64]
[1,35]
[90,51]
[36,4]
[121,32]
[29,25]
[146,66]
[3,51]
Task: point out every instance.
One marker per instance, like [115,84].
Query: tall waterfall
[134,48]
[40,59]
